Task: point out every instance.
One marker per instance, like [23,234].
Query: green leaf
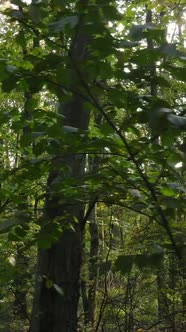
[136,31]
[170,50]
[124,264]
[3,72]
[7,224]
[162,81]
[177,121]
[17,14]
[36,2]
[45,242]
[20,232]
[172,203]
[9,84]
[177,72]
[104,268]
[59,4]
[19,3]
[135,193]
[21,40]
[35,13]
[167,191]
[127,43]
[145,260]
[110,12]
[177,186]
[11,260]
[58,289]
[49,235]
[11,69]
[35,84]
[59,26]
[142,261]
[49,283]
[145,57]
[70,129]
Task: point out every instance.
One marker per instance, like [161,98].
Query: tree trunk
[163,307]
[21,278]
[20,285]
[89,289]
[61,264]
[56,305]
[92,267]
[94,249]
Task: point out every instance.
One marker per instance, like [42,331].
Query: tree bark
[94,246]
[55,307]
[20,283]
[163,305]
[21,278]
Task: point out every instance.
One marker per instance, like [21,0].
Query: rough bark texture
[55,308]
[61,264]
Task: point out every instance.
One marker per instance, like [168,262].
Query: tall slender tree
[56,307]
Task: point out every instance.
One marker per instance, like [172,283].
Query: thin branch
[88,213]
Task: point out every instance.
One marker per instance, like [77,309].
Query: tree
[60,265]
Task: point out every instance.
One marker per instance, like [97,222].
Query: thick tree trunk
[55,306]
[54,310]
[61,264]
